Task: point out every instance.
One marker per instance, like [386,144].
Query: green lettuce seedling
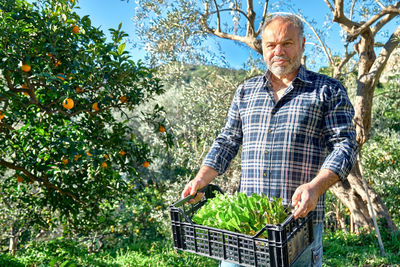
[241,213]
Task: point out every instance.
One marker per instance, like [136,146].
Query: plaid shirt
[286,143]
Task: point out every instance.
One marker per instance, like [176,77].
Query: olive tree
[177,29]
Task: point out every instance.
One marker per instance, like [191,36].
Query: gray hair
[292,18]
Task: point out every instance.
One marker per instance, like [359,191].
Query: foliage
[381,155]
[195,105]
[241,213]
[61,162]
[185,30]
[347,249]
[140,252]
[169,30]
[340,249]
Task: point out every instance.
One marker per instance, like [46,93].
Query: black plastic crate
[284,245]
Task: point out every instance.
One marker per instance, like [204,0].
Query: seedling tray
[284,245]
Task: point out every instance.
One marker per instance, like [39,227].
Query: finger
[301,209]
[198,197]
[195,187]
[300,213]
[187,190]
[296,197]
[297,213]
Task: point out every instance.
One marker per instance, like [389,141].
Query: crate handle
[208,190]
[266,226]
[189,197]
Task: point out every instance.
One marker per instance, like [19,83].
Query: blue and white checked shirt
[286,143]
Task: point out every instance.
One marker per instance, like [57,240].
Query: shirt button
[269,130]
[266,152]
[265,173]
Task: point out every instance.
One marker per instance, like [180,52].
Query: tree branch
[206,15]
[340,17]
[330,6]
[339,67]
[380,4]
[218,16]
[263,18]
[386,11]
[7,126]
[251,17]
[382,23]
[34,178]
[352,9]
[380,62]
[326,49]
[251,41]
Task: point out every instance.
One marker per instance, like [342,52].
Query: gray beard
[279,71]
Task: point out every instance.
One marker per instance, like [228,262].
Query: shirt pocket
[307,118]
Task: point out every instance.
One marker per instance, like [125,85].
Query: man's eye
[288,44]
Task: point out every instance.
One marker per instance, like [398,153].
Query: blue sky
[109,13]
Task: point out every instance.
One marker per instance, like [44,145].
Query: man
[296,130]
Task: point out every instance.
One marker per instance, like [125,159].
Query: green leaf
[121,48]
[240,213]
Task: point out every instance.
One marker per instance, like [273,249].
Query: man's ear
[303,43]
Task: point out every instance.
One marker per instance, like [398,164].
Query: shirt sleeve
[227,144]
[340,133]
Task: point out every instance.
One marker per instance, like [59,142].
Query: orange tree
[65,96]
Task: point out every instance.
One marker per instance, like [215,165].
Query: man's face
[282,47]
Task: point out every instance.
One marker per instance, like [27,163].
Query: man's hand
[203,178]
[304,200]
[306,196]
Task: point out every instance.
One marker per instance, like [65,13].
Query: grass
[67,253]
[340,249]
[346,249]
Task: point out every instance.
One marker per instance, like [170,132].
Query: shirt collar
[302,75]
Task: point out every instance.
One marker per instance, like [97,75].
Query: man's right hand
[203,178]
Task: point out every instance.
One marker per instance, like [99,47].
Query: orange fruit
[123,99]
[95,106]
[25,86]
[79,90]
[57,63]
[106,156]
[64,160]
[161,129]
[61,76]
[75,29]
[89,154]
[68,103]
[146,164]
[122,152]
[1,115]
[26,68]
[111,96]
[76,157]
[104,165]
[20,179]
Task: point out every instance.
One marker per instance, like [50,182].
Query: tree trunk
[13,242]
[352,193]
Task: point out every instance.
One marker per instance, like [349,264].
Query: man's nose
[278,50]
